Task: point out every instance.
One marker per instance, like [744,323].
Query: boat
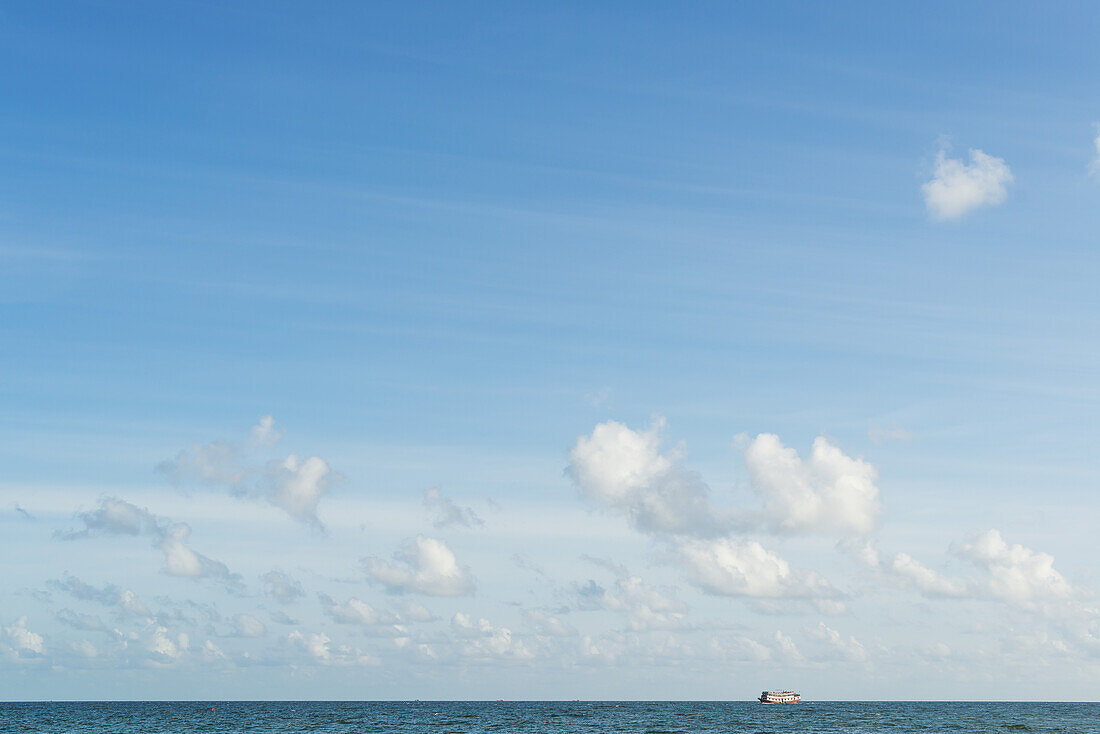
[779,697]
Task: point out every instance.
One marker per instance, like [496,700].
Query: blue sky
[447,246]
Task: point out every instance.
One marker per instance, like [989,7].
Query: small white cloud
[85,648]
[355,611]
[316,645]
[109,595]
[1014,573]
[164,648]
[292,484]
[626,471]
[958,187]
[426,565]
[645,607]
[297,486]
[119,517]
[266,432]
[847,648]
[21,641]
[181,560]
[484,640]
[728,567]
[281,587]
[245,625]
[448,514]
[548,625]
[830,492]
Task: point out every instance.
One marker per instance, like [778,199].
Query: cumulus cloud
[266,432]
[21,642]
[297,485]
[547,624]
[958,187]
[164,648]
[627,471]
[109,595]
[445,513]
[245,625]
[1012,572]
[484,640]
[293,484]
[318,648]
[645,607]
[840,646]
[181,560]
[829,492]
[1008,573]
[114,516]
[426,566]
[360,613]
[729,567]
[282,587]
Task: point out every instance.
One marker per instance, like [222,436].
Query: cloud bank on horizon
[713,552]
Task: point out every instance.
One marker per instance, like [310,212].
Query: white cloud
[548,625]
[282,587]
[645,607]
[626,471]
[315,644]
[245,625]
[728,567]
[210,651]
[426,565]
[926,580]
[85,648]
[847,648]
[318,648]
[109,595]
[1009,573]
[1014,573]
[166,649]
[292,484]
[116,517]
[830,492]
[447,514]
[217,462]
[482,639]
[786,649]
[119,517]
[266,432]
[181,560]
[297,486]
[958,187]
[21,641]
[358,612]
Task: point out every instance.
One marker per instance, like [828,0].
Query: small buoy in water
[211,708]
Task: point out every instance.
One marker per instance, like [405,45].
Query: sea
[544,717]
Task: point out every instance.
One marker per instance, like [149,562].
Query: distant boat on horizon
[779,697]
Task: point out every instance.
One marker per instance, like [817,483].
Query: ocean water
[546,716]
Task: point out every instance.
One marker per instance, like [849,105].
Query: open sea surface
[441,717]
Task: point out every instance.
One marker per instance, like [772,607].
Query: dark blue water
[644,718]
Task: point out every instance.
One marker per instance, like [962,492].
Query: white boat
[779,697]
